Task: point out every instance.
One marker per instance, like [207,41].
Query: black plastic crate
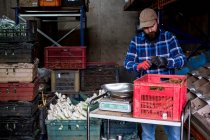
[36,136]
[17,52]
[24,32]
[19,108]
[19,126]
[97,74]
[69,3]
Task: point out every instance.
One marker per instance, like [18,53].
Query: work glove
[159,61]
[144,65]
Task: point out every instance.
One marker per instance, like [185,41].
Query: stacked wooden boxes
[18,87]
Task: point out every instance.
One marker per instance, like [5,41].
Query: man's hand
[144,65]
[159,61]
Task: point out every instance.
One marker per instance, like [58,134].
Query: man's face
[151,32]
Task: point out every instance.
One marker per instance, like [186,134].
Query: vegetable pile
[67,109]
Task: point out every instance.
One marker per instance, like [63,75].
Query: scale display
[115,106]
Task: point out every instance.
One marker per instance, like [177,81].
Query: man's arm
[177,59]
[131,59]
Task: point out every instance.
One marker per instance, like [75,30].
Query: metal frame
[186,114]
[52,13]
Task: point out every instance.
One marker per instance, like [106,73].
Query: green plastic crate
[72,129]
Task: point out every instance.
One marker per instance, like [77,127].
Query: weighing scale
[116,104]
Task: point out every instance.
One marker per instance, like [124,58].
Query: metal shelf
[128,117]
[137,5]
[42,12]
[121,116]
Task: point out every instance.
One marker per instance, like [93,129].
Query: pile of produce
[67,108]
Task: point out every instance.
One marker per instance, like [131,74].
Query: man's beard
[152,36]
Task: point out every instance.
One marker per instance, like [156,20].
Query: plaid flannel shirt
[166,45]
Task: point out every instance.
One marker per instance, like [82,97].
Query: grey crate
[65,81]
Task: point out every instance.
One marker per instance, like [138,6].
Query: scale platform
[119,105]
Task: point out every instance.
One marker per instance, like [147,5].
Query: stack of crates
[72,74]
[65,61]
[18,85]
[160,97]
[93,77]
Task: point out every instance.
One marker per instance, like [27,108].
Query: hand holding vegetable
[159,61]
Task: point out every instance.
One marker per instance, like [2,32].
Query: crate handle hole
[157,88]
[164,79]
[69,127]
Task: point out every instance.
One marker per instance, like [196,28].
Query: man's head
[147,17]
[148,22]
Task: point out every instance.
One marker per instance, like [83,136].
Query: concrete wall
[110,30]
[6,8]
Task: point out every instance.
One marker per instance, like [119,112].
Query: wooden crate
[18,72]
[19,91]
[28,3]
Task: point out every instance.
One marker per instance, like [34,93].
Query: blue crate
[72,129]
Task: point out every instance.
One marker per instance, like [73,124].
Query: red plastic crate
[155,97]
[19,91]
[52,3]
[65,57]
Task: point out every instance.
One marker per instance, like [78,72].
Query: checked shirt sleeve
[131,59]
[177,59]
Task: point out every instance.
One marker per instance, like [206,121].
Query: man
[154,51]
